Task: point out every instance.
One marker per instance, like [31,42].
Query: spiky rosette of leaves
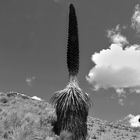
[72,106]
[73,43]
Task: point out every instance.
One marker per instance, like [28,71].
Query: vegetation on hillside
[22,118]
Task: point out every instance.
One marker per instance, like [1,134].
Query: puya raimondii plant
[71,103]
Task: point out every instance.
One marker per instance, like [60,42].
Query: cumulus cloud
[29,80]
[136,18]
[134,120]
[116,37]
[116,67]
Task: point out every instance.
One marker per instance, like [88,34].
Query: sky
[33,42]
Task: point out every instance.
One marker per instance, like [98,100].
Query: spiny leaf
[72,107]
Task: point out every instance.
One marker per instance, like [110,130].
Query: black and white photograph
[69,69]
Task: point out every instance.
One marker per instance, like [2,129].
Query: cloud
[134,120]
[121,92]
[29,80]
[116,67]
[136,90]
[121,101]
[121,95]
[115,36]
[136,19]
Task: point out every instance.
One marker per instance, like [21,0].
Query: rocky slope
[31,118]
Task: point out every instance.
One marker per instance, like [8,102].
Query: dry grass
[27,119]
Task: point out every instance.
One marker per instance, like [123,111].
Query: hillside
[26,118]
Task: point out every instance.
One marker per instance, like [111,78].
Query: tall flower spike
[73,44]
[71,103]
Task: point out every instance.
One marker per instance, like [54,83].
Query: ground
[25,118]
